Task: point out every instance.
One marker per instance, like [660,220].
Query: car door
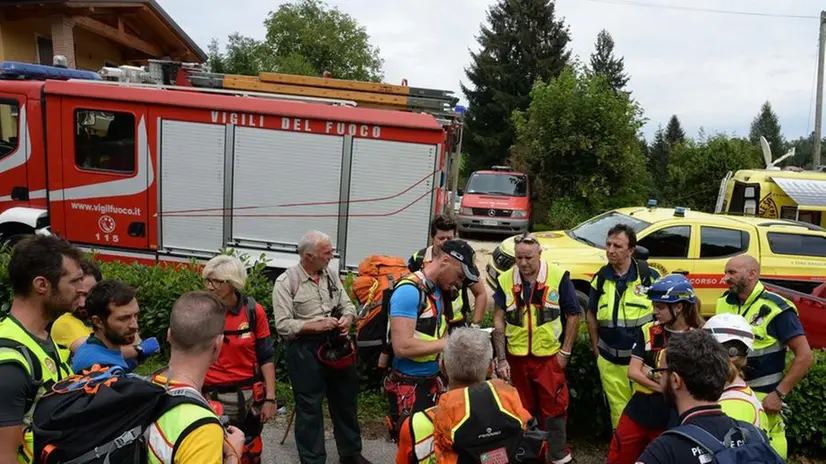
[668,247]
[106,173]
[717,244]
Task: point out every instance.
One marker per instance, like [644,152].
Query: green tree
[674,132]
[658,154]
[696,168]
[305,38]
[521,42]
[767,125]
[604,62]
[580,139]
[309,37]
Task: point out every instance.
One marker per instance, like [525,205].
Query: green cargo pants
[312,382]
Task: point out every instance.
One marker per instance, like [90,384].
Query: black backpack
[102,416]
[487,435]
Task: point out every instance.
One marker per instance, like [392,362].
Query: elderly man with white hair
[312,314]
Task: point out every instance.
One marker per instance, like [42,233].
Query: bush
[806,425]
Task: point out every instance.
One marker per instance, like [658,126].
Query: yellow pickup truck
[791,253]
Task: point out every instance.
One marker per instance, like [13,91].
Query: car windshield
[498,184]
[595,230]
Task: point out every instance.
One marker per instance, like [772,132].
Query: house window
[105,141]
[9,119]
[45,50]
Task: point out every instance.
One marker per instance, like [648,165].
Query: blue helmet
[672,288]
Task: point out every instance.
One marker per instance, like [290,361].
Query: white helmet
[728,327]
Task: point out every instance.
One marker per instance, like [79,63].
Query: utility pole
[819,102]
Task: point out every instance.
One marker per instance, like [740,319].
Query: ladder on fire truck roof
[439,103]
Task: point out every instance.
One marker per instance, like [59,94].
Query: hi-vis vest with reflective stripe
[430,324]
[739,403]
[458,302]
[167,433]
[52,370]
[525,334]
[421,428]
[634,310]
[655,343]
[765,365]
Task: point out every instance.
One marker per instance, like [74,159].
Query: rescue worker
[418,329]
[776,327]
[617,308]
[113,311]
[191,433]
[73,328]
[647,414]
[536,304]
[476,420]
[242,379]
[442,229]
[45,276]
[692,377]
[738,400]
[310,306]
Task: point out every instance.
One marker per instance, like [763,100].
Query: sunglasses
[525,238]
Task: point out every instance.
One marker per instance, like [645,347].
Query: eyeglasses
[525,238]
[654,373]
[214,282]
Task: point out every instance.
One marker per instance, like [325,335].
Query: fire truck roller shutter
[285,183]
[404,176]
[192,186]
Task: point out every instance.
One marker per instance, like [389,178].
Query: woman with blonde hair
[242,380]
[738,400]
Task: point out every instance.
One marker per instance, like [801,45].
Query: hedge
[158,287]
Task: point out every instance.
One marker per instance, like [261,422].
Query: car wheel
[582,298]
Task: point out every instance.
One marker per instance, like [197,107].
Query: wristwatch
[269,400]
[780,394]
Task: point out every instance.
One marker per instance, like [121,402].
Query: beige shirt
[309,302]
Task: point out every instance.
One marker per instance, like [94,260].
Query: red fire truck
[173,166]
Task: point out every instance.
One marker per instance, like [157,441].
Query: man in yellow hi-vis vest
[617,309]
[45,275]
[189,432]
[536,307]
[776,326]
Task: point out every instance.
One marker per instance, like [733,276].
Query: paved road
[379,451]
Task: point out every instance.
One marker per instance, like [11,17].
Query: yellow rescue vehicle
[775,193]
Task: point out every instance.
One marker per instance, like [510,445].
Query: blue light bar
[679,211]
[652,203]
[18,70]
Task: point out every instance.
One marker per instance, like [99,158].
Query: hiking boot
[357,459]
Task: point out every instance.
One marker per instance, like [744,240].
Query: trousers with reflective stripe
[165,433]
[767,361]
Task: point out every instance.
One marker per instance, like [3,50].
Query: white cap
[728,327]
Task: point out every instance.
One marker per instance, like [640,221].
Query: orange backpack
[377,277]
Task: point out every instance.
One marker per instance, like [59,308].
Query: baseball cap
[461,251]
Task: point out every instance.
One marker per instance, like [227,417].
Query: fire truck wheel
[10,240]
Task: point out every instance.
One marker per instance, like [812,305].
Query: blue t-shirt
[93,351]
[405,303]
